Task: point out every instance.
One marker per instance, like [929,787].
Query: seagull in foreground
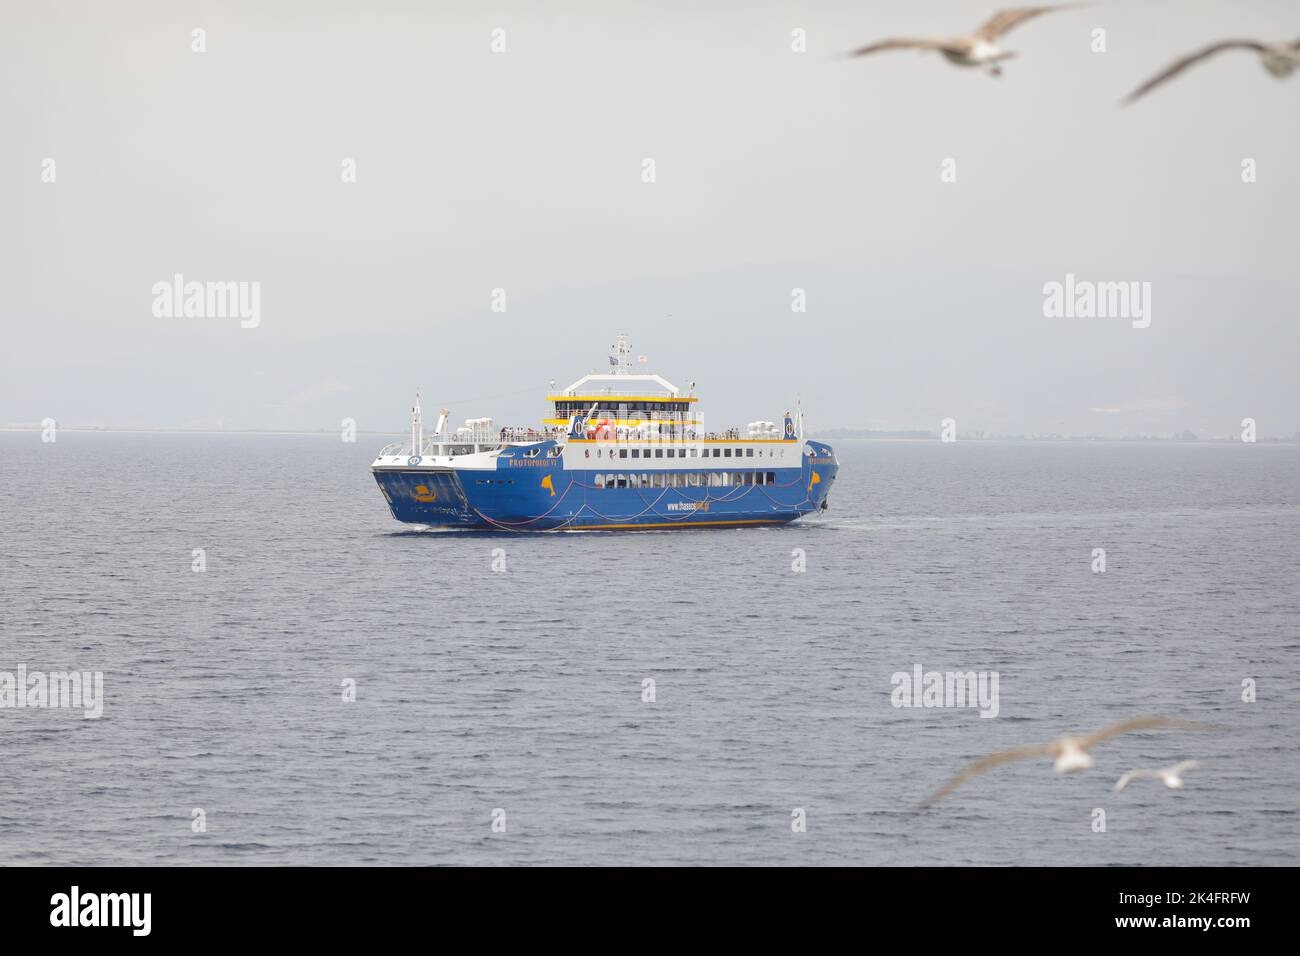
[1280,59]
[1172,776]
[1068,753]
[973,49]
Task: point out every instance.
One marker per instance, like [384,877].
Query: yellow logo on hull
[546,483]
[422,493]
[816,480]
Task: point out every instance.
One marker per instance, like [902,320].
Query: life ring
[414,460]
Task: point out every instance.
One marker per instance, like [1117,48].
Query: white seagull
[1068,753]
[973,49]
[1280,59]
[1172,776]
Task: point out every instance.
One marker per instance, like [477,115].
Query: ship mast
[417,425]
[621,356]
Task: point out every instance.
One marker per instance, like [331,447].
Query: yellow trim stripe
[616,399]
[626,422]
[685,441]
[679,524]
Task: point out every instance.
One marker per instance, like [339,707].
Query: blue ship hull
[537,493]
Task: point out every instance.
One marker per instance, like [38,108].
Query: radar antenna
[620,358]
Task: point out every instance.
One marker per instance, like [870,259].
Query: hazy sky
[522,170]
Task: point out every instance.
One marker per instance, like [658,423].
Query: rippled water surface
[522,690]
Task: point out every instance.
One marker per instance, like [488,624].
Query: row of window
[676,479]
[617,409]
[680,452]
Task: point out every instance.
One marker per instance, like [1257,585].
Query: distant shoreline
[832,435]
[855,435]
[94,430]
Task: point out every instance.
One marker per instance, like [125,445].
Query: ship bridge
[623,398]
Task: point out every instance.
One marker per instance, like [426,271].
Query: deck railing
[470,442]
[481,440]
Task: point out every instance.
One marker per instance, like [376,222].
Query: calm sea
[521,690]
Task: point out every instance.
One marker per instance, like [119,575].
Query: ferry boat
[621,450]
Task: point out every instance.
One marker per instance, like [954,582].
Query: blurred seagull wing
[1123,781]
[1136,723]
[1005,20]
[897,44]
[977,767]
[1190,60]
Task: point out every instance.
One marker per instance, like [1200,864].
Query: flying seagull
[1172,776]
[1280,59]
[1068,753]
[973,49]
